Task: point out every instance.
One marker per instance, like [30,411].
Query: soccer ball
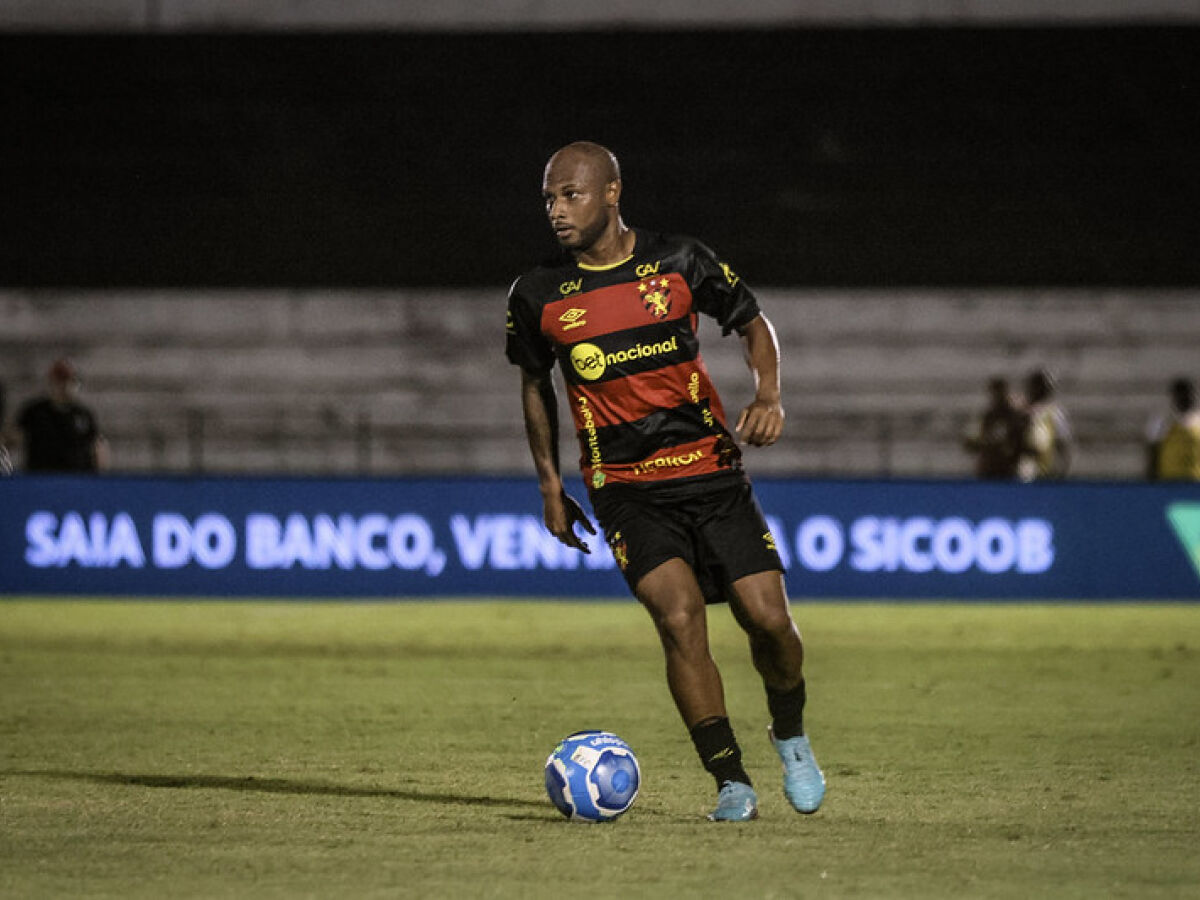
[592,776]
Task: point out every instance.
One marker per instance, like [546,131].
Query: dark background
[807,157]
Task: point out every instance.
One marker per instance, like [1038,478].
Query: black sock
[787,711]
[719,750]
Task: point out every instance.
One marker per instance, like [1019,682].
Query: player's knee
[771,620]
[681,626]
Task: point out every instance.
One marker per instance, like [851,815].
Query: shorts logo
[656,296]
[730,276]
[573,318]
[769,540]
[620,552]
[588,361]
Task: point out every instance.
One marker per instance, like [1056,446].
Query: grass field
[360,750]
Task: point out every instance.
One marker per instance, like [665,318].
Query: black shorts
[714,524]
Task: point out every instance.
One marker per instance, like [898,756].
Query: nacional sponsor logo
[590,362]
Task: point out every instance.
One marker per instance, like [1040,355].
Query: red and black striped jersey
[644,406]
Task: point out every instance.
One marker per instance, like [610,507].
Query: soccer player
[618,310]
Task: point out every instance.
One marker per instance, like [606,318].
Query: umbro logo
[573,318]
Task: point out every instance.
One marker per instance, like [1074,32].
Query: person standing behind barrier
[1173,440]
[997,439]
[1049,443]
[59,433]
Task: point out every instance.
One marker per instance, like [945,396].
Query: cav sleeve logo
[1185,520]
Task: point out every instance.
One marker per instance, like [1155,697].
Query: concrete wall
[240,15]
[414,381]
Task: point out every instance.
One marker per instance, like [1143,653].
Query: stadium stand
[877,382]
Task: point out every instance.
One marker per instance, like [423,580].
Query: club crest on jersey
[656,296]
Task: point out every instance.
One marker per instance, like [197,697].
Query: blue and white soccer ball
[592,776]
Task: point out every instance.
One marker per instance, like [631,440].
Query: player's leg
[737,538]
[672,596]
[761,608]
[674,600]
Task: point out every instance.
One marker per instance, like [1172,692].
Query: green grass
[360,750]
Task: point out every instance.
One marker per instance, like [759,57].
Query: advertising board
[413,537]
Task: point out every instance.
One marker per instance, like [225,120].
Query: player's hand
[760,423]
[561,513]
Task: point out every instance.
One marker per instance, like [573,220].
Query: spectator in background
[997,438]
[1049,444]
[1173,440]
[59,433]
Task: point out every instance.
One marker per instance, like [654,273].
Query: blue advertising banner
[296,537]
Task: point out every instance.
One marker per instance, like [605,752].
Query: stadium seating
[877,383]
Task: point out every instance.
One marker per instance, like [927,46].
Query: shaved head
[581,188]
[600,160]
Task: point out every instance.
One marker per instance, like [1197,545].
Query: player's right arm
[527,348]
[560,511]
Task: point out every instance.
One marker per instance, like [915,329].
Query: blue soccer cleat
[803,781]
[736,802]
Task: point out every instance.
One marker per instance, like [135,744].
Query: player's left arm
[761,423]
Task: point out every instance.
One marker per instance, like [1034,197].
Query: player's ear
[612,192]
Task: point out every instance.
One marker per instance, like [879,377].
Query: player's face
[577,201]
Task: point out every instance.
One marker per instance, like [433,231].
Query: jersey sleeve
[718,291]
[524,343]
